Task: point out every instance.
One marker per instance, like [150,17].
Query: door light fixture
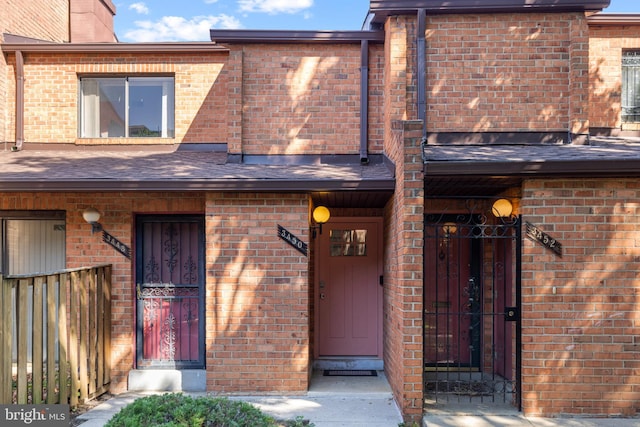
[502,208]
[92,216]
[320,216]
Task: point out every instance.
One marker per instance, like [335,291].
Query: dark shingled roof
[487,170]
[602,156]
[118,170]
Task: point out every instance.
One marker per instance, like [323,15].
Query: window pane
[104,112]
[348,243]
[151,107]
[34,246]
[631,87]
[103,107]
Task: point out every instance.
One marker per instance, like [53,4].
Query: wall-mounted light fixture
[448,229]
[320,216]
[92,216]
[502,208]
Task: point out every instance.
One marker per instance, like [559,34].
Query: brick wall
[51,94]
[40,19]
[581,312]
[496,72]
[606,44]
[403,223]
[403,259]
[92,21]
[396,85]
[258,297]
[301,99]
[84,248]
[257,289]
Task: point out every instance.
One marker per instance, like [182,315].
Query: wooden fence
[55,336]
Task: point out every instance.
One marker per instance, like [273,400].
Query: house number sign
[116,244]
[294,241]
[537,235]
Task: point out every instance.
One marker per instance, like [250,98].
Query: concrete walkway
[330,402]
[490,414]
[521,421]
[365,402]
[512,418]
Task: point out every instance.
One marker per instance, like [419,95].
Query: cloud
[177,28]
[140,8]
[210,1]
[273,7]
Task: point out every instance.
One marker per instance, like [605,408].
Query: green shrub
[178,410]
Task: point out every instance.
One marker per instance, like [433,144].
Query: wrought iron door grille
[471,307]
[631,87]
[170,292]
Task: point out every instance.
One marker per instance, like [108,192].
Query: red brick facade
[606,45]
[495,72]
[29,21]
[580,343]
[487,74]
[257,294]
[51,94]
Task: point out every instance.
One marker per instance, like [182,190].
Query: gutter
[19,102]
[614,19]
[168,47]
[287,36]
[595,168]
[223,185]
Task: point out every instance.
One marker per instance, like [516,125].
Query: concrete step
[348,363]
[192,380]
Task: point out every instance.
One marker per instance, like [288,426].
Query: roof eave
[113,47]
[200,185]
[614,19]
[293,36]
[380,9]
[562,168]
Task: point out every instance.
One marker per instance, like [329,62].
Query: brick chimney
[92,21]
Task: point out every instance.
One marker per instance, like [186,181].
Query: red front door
[450,297]
[349,288]
[169,291]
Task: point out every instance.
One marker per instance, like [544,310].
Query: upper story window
[127,107]
[631,87]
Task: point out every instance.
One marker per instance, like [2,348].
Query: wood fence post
[5,341]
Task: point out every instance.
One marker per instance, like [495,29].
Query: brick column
[579,78]
[404,265]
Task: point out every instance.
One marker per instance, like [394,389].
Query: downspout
[19,102]
[364,101]
[422,71]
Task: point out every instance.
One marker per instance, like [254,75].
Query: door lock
[322,295]
[511,314]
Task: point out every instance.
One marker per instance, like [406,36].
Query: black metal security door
[472,309]
[170,291]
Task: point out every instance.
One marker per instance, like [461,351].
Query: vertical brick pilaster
[578,76]
[234,76]
[404,269]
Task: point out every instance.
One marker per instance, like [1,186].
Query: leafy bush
[178,410]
